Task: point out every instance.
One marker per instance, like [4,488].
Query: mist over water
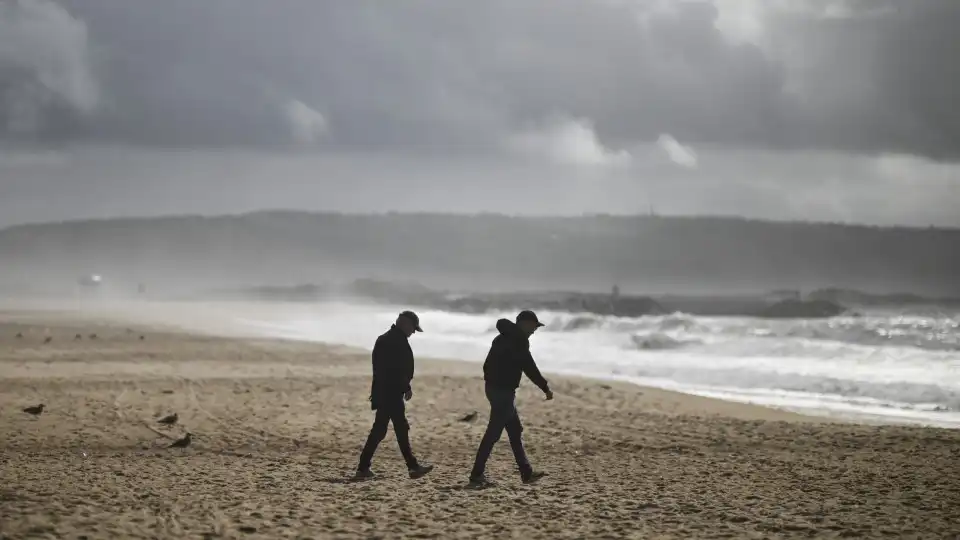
[879,367]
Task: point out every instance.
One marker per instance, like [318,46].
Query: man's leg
[377,433]
[514,432]
[402,428]
[499,414]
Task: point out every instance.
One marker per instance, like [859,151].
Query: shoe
[363,474]
[532,477]
[419,471]
[479,482]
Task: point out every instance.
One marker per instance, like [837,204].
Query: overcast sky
[842,110]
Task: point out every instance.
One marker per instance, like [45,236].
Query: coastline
[278,425]
[252,319]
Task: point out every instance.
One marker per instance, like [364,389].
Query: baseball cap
[527,315]
[413,318]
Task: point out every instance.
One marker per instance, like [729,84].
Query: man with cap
[392,373]
[508,359]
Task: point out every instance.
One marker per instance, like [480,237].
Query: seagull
[169,419]
[36,410]
[48,340]
[19,335]
[181,443]
[469,417]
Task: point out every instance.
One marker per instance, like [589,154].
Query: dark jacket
[392,367]
[510,356]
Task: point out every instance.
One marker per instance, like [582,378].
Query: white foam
[820,367]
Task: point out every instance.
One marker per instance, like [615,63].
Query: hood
[507,327]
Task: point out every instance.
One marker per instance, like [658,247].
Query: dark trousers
[392,410]
[503,415]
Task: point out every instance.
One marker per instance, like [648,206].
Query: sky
[823,110]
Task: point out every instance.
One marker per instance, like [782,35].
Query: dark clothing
[388,411]
[392,373]
[509,357]
[392,367]
[503,414]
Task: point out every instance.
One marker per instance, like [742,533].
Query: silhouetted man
[508,359]
[392,373]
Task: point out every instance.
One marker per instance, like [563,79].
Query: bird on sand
[36,410]
[181,443]
[48,340]
[19,335]
[77,337]
[169,419]
[470,417]
[93,336]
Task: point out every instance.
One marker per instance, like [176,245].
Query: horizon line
[529,217]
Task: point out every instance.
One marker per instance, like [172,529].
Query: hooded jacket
[509,357]
[392,367]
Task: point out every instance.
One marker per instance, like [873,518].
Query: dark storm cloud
[875,76]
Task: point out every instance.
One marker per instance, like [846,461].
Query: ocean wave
[876,362]
[928,333]
[941,333]
[658,341]
[564,322]
[915,395]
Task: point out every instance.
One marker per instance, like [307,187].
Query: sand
[278,426]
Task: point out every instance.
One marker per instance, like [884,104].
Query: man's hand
[408,394]
[549,394]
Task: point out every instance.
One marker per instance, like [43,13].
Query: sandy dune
[278,427]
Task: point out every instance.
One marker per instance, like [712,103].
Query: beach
[278,425]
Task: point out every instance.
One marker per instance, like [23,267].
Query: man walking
[392,373]
[509,357]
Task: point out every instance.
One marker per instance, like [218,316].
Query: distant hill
[643,254]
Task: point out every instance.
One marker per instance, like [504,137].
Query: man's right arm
[533,373]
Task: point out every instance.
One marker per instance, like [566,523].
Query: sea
[892,366]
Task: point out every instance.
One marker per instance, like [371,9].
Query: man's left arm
[408,390]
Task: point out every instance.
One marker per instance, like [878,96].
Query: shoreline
[159,321]
[278,426]
[676,400]
[219,319]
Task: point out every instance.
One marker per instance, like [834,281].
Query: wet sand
[278,426]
